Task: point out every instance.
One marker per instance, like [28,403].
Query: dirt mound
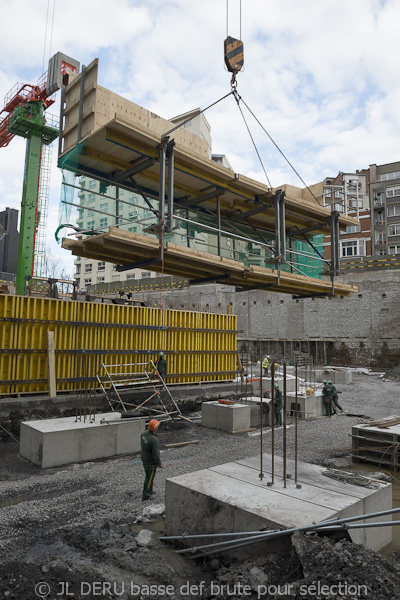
[393,374]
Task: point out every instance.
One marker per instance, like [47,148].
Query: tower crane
[23,114]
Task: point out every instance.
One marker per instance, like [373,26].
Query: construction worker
[265,365]
[278,404]
[327,395]
[335,399]
[161,365]
[150,455]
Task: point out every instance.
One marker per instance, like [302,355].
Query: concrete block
[290,383]
[56,442]
[231,497]
[225,417]
[254,403]
[309,407]
[341,377]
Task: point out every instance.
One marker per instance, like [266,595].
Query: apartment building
[385,206]
[349,193]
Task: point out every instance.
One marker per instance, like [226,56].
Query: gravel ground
[84,507]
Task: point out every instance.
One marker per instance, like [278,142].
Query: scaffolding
[143,380]
[40,259]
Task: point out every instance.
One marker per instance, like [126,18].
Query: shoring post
[51,365]
[170,191]
[161,193]
[219,224]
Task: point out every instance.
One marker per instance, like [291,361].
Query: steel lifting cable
[240,18]
[237,98]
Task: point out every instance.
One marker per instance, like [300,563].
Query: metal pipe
[170,191]
[285,532]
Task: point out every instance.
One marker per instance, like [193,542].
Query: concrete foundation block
[225,417]
[56,442]
[341,377]
[309,407]
[255,413]
[232,497]
[266,383]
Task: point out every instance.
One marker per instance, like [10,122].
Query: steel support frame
[280,226]
[335,247]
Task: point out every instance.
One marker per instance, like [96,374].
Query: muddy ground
[82,531]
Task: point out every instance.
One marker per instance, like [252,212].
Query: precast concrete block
[254,403]
[225,417]
[341,377]
[290,383]
[56,442]
[309,407]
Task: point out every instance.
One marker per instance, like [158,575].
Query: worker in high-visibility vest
[265,363]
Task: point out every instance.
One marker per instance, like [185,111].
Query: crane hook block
[234,58]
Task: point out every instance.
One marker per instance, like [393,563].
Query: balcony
[379,203]
[379,223]
[380,243]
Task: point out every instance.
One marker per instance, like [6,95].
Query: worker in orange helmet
[150,455]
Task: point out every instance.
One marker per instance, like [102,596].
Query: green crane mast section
[28,121]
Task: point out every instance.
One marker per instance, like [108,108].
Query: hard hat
[276,385]
[329,382]
[161,354]
[153,425]
[324,381]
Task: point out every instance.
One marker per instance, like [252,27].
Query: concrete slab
[231,497]
[225,417]
[56,442]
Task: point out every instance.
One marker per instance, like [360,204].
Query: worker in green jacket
[278,404]
[161,365]
[150,455]
[335,399]
[327,395]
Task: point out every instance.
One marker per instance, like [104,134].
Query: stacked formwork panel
[198,346]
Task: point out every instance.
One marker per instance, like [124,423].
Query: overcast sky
[322,76]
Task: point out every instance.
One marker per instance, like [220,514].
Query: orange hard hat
[153,425]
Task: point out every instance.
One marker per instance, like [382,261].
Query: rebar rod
[272,421]
[295,430]
[284,424]
[261,418]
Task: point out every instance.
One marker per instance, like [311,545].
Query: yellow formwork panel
[198,346]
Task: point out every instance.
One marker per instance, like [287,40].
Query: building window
[100,280]
[87,281]
[147,214]
[389,176]
[90,224]
[393,211]
[352,248]
[88,267]
[103,222]
[391,192]
[130,276]
[90,213]
[146,274]
[92,184]
[133,214]
[101,266]
[104,206]
[132,229]
[116,278]
[394,249]
[78,269]
[394,230]
[353,229]
[92,197]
